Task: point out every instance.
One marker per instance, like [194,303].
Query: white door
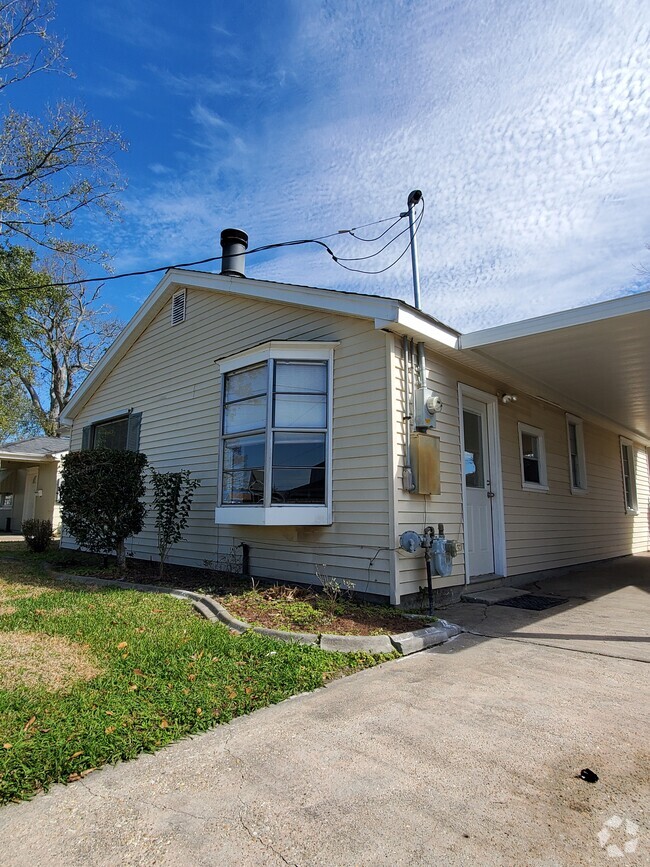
[31,484]
[479,526]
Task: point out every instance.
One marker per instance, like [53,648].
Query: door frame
[496,479]
[30,473]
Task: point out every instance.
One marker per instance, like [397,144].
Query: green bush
[38,534]
[101,494]
[172,500]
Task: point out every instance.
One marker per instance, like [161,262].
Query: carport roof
[596,357]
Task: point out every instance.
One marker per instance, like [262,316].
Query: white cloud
[526,128]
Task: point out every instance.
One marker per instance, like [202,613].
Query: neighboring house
[288,403]
[29,481]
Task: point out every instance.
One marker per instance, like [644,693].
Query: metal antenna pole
[413,199]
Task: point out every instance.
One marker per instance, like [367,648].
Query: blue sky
[526,125]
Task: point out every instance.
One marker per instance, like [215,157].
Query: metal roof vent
[178,307]
[234,243]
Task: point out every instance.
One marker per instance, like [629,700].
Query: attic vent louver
[178,307]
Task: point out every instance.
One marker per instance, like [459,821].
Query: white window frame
[278,514]
[582,462]
[542,485]
[634,509]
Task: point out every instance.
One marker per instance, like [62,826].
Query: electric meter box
[426,406]
[425,461]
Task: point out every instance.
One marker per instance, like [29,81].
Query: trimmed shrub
[172,500]
[101,494]
[38,534]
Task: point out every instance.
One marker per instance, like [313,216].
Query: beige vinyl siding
[543,530]
[415,511]
[546,530]
[170,376]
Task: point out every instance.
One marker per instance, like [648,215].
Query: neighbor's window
[629,476]
[6,501]
[275,439]
[533,458]
[577,462]
[121,433]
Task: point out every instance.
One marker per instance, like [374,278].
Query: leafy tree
[55,166]
[63,332]
[16,269]
[101,493]
[16,417]
[172,500]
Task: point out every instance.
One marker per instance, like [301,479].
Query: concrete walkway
[463,755]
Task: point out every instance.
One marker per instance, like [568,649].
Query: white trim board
[554,321]
[496,477]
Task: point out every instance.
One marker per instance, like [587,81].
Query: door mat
[532,603]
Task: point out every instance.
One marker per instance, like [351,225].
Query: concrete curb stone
[283,635]
[419,639]
[405,643]
[357,643]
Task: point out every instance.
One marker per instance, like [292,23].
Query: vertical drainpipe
[407,471]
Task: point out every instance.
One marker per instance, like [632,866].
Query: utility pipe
[408,483]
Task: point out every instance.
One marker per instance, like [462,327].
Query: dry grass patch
[7,609]
[32,659]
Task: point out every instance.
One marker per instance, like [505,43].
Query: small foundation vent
[178,307]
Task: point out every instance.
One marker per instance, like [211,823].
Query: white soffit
[597,356]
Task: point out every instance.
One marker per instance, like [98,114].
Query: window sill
[580,491]
[275,516]
[530,486]
[632,512]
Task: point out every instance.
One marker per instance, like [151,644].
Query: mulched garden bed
[276,606]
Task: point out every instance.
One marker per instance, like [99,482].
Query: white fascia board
[419,326]
[599,312]
[25,457]
[349,304]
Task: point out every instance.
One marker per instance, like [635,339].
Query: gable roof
[384,311]
[592,360]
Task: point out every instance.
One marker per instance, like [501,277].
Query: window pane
[243,453]
[627,477]
[530,446]
[298,486]
[111,435]
[301,410]
[472,426]
[300,378]
[243,487]
[573,455]
[245,415]
[298,450]
[531,471]
[246,383]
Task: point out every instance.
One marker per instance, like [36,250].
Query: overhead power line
[320,241]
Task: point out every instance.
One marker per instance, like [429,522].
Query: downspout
[408,484]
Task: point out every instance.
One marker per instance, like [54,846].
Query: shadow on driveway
[607,611]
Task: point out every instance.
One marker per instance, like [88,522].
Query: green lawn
[92,676]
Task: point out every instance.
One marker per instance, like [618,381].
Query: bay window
[275,435]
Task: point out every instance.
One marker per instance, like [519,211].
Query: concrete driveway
[463,755]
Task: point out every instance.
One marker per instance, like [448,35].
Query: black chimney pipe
[234,243]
